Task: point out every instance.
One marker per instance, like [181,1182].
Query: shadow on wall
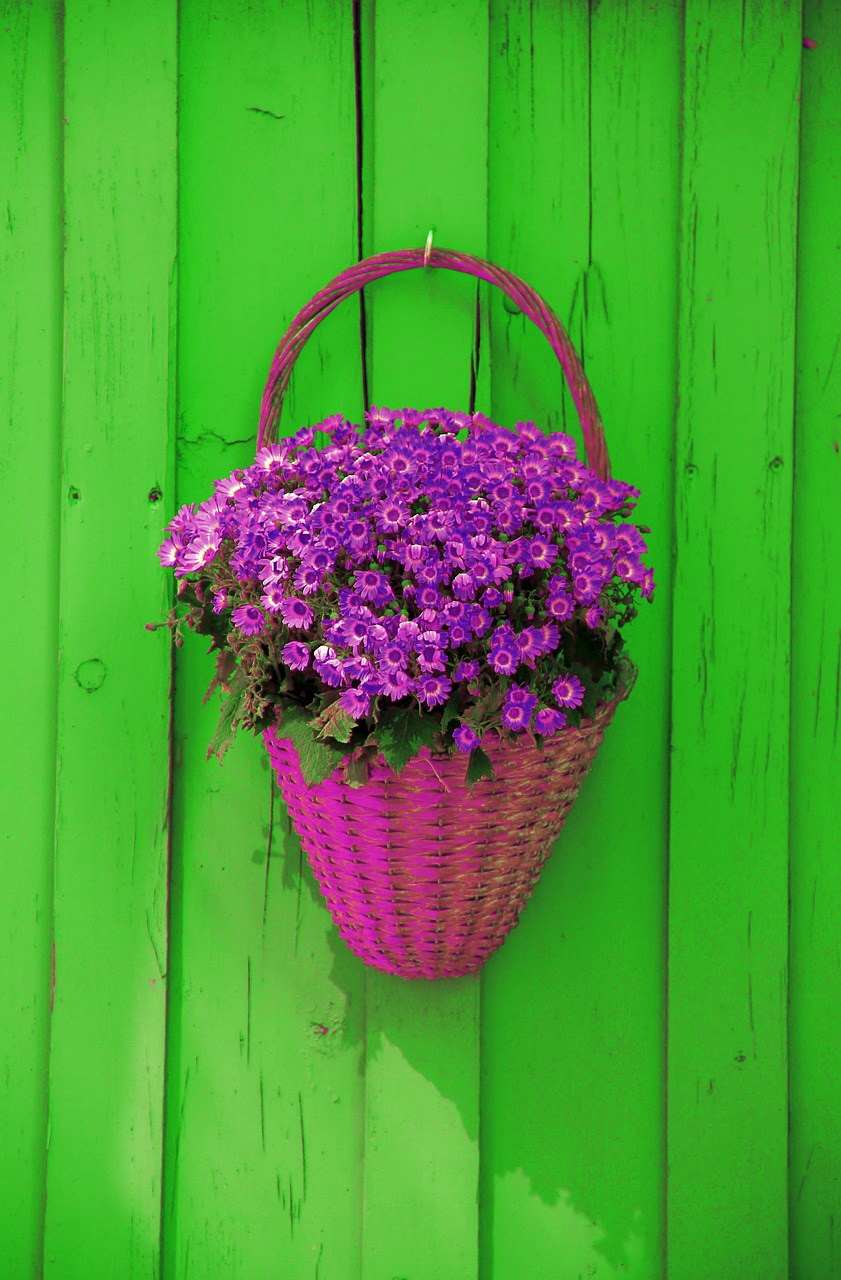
[571,1086]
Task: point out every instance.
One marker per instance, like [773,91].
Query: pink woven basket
[423,876]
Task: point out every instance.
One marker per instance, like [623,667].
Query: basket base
[424,877]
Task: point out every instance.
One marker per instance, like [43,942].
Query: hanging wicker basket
[424,876]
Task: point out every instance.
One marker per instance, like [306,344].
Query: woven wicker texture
[423,877]
[383,264]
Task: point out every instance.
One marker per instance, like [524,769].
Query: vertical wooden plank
[30,395]
[264,1107]
[728,890]
[107,1049]
[426,71]
[814,1055]
[584,118]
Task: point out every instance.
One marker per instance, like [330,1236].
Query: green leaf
[226,662]
[334,722]
[478,766]
[318,759]
[357,772]
[208,623]
[452,710]
[402,731]
[229,716]
[627,672]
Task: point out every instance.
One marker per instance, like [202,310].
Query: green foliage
[451,711]
[334,722]
[478,766]
[225,666]
[402,731]
[318,758]
[230,716]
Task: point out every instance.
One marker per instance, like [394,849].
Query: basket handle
[383,264]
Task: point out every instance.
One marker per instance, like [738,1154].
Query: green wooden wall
[197,1080]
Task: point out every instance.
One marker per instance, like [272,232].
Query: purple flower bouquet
[424,617]
[426,580]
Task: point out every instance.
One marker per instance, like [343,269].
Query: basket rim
[497,740]
[355,277]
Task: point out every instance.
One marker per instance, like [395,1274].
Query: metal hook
[427,253]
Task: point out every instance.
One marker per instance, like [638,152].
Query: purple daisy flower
[548,721]
[393,656]
[296,613]
[464,586]
[426,598]
[538,489]
[465,738]
[560,606]
[587,585]
[628,568]
[307,579]
[504,655]
[272,599]
[479,620]
[331,670]
[541,553]
[394,684]
[272,457]
[391,516]
[354,631]
[466,671]
[355,702]
[373,586]
[357,534]
[544,516]
[273,569]
[360,667]
[603,538]
[430,574]
[220,601]
[407,631]
[249,619]
[530,648]
[566,515]
[594,496]
[629,539]
[563,444]
[230,486]
[433,690]
[548,637]
[200,552]
[568,691]
[430,657]
[169,551]
[375,637]
[482,571]
[296,655]
[517,707]
[182,519]
[509,517]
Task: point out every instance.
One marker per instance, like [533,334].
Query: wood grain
[728,887]
[103,1182]
[264,1108]
[30,427]
[634,1086]
[426,132]
[814,1047]
[572,1010]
